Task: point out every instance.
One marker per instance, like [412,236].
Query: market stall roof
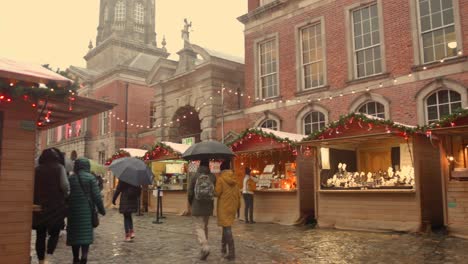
[50,93]
[181,148]
[356,125]
[134,152]
[454,124]
[16,70]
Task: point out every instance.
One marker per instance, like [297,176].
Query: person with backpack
[201,194]
[129,195]
[227,191]
[248,189]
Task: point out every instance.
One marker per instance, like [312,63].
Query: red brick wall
[398,50]
[253,4]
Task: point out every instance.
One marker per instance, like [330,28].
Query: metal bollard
[158,207]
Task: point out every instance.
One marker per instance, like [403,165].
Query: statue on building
[185,31]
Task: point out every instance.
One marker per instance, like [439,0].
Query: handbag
[94,214]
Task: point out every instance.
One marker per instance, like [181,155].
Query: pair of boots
[130,235]
[82,261]
[227,247]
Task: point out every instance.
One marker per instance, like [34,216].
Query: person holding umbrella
[128,205]
[132,173]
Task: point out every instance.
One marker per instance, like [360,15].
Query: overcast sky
[57,32]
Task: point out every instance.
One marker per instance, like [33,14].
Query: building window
[314,121]
[373,108]
[270,124]
[152,114]
[366,41]
[104,123]
[442,103]
[106,13]
[120,11]
[437,26]
[268,69]
[102,157]
[312,56]
[139,13]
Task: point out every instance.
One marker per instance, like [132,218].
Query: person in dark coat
[129,195]
[84,198]
[201,209]
[51,188]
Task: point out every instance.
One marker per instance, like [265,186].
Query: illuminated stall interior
[272,157]
[452,133]
[375,174]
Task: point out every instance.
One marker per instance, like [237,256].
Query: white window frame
[438,105]
[421,33]
[376,114]
[256,45]
[363,49]
[271,121]
[153,110]
[275,73]
[106,13]
[139,13]
[104,124]
[120,11]
[321,126]
[300,59]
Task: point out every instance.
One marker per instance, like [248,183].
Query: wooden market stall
[452,135]
[171,174]
[272,156]
[32,98]
[375,174]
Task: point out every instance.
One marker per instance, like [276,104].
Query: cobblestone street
[173,242]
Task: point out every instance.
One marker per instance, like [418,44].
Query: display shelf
[369,191]
[275,191]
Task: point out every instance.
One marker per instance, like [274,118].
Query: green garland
[447,120]
[345,119]
[260,132]
[149,154]
[117,155]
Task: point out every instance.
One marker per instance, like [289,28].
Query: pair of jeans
[201,230]
[128,222]
[248,210]
[76,253]
[41,236]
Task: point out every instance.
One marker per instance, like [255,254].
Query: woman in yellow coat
[227,191]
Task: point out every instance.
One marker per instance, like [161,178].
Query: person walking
[201,201]
[129,196]
[248,189]
[227,191]
[51,188]
[84,198]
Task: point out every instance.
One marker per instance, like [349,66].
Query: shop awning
[352,141]
[50,93]
[166,150]
[66,112]
[181,148]
[454,124]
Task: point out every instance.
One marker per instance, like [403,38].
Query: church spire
[132,20]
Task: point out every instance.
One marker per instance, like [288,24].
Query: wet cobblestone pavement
[173,242]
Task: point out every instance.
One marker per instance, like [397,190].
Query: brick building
[157,98]
[309,61]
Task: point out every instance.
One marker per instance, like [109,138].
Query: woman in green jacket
[84,190]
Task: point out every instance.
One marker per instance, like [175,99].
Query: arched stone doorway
[185,124]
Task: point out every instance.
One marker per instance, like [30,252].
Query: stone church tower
[126,28]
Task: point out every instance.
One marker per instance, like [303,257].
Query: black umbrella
[208,150]
[132,171]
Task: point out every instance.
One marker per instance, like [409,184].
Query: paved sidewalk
[173,242]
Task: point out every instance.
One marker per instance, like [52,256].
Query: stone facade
[402,87]
[156,98]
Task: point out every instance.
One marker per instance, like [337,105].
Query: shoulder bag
[94,214]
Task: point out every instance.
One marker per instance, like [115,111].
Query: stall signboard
[188,141]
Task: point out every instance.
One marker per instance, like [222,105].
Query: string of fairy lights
[319,97]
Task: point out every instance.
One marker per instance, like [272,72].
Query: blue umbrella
[132,171]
